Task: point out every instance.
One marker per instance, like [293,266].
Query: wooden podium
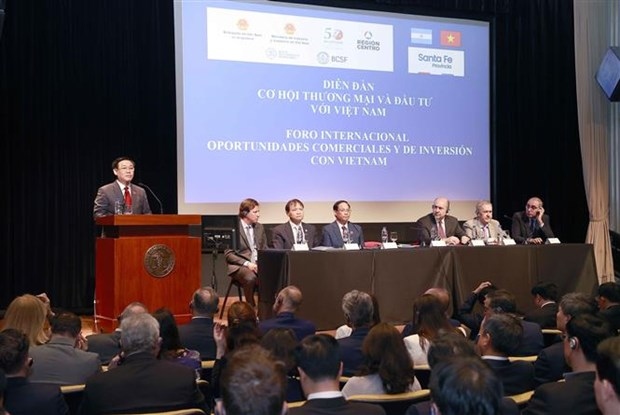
[152,259]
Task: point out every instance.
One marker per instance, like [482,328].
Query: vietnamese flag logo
[450,38]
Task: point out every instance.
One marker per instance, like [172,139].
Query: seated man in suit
[466,314]
[531,226]
[341,231]
[607,382]
[358,312]
[60,361]
[550,364]
[242,263]
[141,382]
[132,198]
[444,297]
[576,394]
[439,225]
[502,301]
[198,333]
[320,370]
[483,226]
[499,337]
[108,345]
[608,300]
[295,231]
[22,396]
[287,302]
[253,383]
[545,295]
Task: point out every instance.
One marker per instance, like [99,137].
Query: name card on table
[389,245]
[438,243]
[301,247]
[476,242]
[508,241]
[351,247]
[553,241]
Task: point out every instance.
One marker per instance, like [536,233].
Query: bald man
[531,226]
[438,225]
[285,306]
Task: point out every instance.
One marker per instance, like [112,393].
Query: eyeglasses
[344,210]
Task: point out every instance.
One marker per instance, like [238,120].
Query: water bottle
[384,235]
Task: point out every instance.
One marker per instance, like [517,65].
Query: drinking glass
[393,236]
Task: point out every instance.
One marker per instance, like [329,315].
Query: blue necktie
[532,225]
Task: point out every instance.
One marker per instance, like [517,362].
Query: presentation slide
[279,101]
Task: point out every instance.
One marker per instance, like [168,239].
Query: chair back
[73,396]
[393,404]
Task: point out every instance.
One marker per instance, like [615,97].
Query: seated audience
[253,383]
[108,345]
[387,366]
[358,312]
[576,394]
[608,299]
[466,314]
[28,314]
[198,333]
[430,318]
[531,226]
[320,369]
[285,306]
[171,348]
[60,361]
[345,330]
[502,301]
[295,231]
[438,225]
[141,382]
[550,364]
[545,295]
[444,298]
[607,382]
[281,343]
[499,337]
[22,396]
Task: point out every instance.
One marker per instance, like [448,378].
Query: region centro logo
[290,29]
[242,24]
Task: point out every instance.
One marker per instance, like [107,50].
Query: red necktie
[440,230]
[127,196]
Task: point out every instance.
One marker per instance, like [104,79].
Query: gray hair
[139,333]
[481,203]
[575,304]
[357,308]
[134,308]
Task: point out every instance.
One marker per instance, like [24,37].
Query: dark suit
[59,362]
[506,407]
[351,351]
[550,365]
[450,223]
[236,259]
[142,384]
[302,328]
[198,335]
[332,235]
[106,345]
[521,228]
[612,315]
[336,406]
[544,316]
[282,236]
[575,396]
[466,315]
[22,397]
[517,377]
[111,192]
[532,341]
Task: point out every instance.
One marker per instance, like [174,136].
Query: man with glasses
[531,226]
[341,231]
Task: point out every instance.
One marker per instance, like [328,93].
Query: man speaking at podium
[121,196]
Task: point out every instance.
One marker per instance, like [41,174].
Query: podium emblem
[159,260]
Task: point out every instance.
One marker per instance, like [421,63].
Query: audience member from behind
[141,383]
[531,226]
[281,343]
[345,330]
[550,364]
[465,387]
[171,348]
[358,312]
[60,361]
[499,337]
[198,333]
[483,226]
[108,345]
[294,231]
[287,302]
[608,299]
[503,301]
[387,366]
[21,396]
[242,263]
[466,313]
[576,394]
[545,295]
[430,319]
[444,298]
[252,384]
[607,382]
[438,225]
[342,231]
[320,369]
[28,314]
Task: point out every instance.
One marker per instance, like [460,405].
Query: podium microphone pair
[161,206]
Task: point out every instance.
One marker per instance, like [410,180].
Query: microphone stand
[161,206]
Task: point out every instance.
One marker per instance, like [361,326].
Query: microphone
[161,207]
[508,217]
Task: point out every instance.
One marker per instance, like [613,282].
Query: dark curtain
[82,82]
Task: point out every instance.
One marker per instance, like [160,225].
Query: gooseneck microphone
[161,207]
